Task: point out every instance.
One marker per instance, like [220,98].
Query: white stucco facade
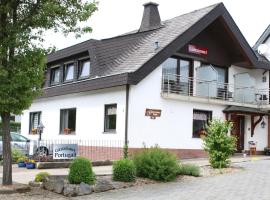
[172,130]
[89,115]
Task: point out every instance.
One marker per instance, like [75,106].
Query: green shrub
[22,159]
[80,171]
[189,169]
[157,164]
[218,144]
[40,176]
[124,170]
[16,154]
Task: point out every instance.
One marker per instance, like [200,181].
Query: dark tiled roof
[127,53]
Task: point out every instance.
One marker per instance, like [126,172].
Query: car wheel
[42,151]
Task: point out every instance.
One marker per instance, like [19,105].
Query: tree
[22,57]
[218,144]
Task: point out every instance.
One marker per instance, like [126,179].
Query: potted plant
[67,130]
[22,161]
[31,164]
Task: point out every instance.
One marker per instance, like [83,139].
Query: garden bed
[209,171]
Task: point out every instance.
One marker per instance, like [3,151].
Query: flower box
[30,165]
[21,164]
[34,131]
[67,130]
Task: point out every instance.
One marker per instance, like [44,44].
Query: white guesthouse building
[158,85]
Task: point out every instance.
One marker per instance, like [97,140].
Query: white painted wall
[89,115]
[174,128]
[260,134]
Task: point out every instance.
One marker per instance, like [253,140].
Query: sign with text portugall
[153,113]
[65,151]
[197,50]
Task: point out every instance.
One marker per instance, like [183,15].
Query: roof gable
[206,17]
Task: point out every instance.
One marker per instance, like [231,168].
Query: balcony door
[177,73]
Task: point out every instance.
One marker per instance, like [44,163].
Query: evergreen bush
[156,164]
[124,170]
[80,171]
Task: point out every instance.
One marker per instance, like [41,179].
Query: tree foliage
[22,56]
[218,144]
[22,61]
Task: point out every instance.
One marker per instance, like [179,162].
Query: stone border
[60,185]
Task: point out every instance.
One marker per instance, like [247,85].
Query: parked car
[17,142]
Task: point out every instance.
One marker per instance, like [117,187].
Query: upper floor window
[34,121]
[110,118]
[55,75]
[68,121]
[69,72]
[84,68]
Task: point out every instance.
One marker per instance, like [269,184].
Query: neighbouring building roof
[262,39]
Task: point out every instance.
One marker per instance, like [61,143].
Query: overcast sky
[116,17]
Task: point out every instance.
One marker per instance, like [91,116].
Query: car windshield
[18,138]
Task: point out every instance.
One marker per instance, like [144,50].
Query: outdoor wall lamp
[263,124]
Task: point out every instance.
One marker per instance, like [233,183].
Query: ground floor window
[68,121]
[34,122]
[110,118]
[200,121]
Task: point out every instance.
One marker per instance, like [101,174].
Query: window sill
[54,84]
[68,81]
[67,133]
[83,77]
[109,132]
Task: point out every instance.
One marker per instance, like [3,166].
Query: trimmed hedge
[80,171]
[124,170]
[156,164]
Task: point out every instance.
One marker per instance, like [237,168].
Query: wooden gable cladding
[221,46]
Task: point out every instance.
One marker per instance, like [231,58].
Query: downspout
[126,117]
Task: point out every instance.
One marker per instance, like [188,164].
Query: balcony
[211,91]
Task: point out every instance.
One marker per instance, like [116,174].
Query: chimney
[151,19]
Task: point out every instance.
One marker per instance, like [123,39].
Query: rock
[58,186]
[48,184]
[103,185]
[34,184]
[84,189]
[70,190]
